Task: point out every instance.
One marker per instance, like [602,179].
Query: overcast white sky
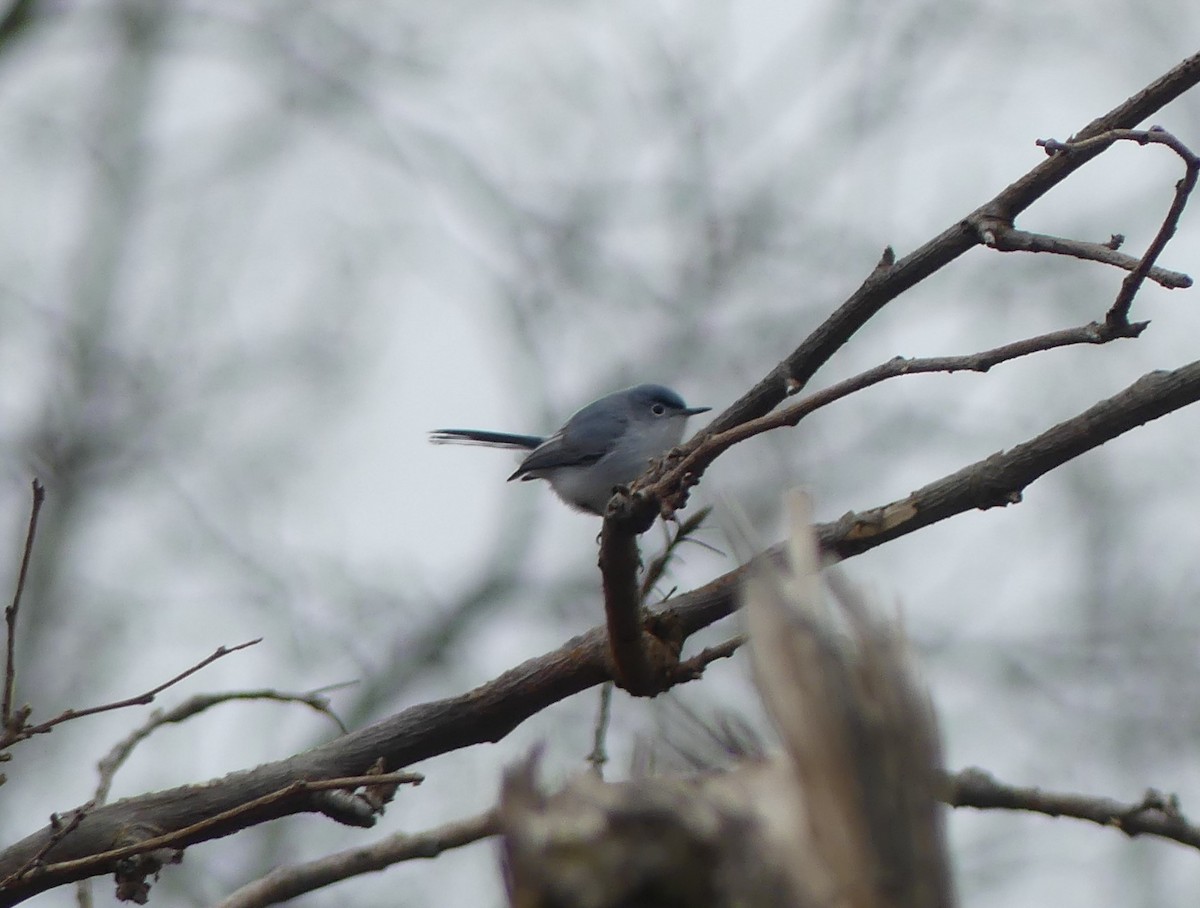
[252,252]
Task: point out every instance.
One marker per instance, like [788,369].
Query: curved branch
[285,883]
[14,735]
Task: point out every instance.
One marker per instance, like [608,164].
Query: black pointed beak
[693,411]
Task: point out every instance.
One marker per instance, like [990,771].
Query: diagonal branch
[98,863]
[690,467]
[892,278]
[1155,814]
[992,482]
[1004,238]
[28,731]
[285,883]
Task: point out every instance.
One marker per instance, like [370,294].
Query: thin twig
[29,731]
[693,668]
[686,471]
[285,883]
[10,616]
[658,565]
[1118,314]
[1155,814]
[599,755]
[1004,238]
[116,757]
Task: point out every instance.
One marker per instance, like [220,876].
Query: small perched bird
[608,443]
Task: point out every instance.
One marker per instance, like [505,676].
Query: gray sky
[252,252]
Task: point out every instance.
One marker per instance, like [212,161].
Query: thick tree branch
[37,868]
[491,711]
[630,649]
[644,664]
[1155,814]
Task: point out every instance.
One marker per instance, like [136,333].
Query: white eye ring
[658,409]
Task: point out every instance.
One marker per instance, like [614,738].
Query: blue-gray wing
[587,436]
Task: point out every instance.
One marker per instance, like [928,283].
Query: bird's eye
[658,409]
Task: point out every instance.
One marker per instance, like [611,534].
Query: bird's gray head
[655,403]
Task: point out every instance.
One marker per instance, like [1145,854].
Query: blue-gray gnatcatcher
[608,443]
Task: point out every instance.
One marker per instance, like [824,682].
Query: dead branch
[693,668]
[890,278]
[1118,314]
[640,664]
[701,455]
[1003,238]
[28,731]
[1155,814]
[190,707]
[38,869]
[7,726]
[286,883]
[599,754]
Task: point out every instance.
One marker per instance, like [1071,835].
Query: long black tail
[487,439]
